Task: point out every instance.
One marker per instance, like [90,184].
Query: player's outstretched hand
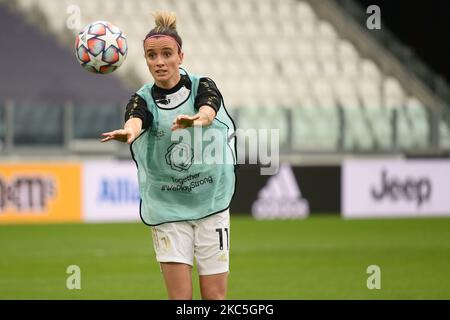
[183,121]
[122,135]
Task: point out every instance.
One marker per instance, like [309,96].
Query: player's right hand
[122,135]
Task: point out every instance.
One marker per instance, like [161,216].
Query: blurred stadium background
[347,100]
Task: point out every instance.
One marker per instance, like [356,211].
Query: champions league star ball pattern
[101,47]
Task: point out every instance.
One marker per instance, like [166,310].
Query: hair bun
[165,20]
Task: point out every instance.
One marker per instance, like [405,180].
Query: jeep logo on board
[410,189]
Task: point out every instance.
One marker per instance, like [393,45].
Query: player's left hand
[183,121]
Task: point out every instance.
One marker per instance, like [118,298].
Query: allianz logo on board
[118,190]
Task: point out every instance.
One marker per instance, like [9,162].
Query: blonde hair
[165,20]
[165,25]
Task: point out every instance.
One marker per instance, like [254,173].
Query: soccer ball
[101,47]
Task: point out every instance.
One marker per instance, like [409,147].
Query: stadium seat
[392,93]
[304,120]
[304,11]
[377,117]
[304,49]
[419,118]
[322,90]
[245,8]
[325,49]
[268,118]
[330,70]
[370,71]
[405,135]
[311,68]
[444,135]
[91,120]
[38,128]
[226,9]
[205,8]
[347,51]
[326,31]
[357,132]
[315,127]
[284,10]
[349,69]
[289,30]
[308,29]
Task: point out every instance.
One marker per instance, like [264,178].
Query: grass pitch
[322,257]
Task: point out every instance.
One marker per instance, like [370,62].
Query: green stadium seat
[260,118]
[357,134]
[91,120]
[42,127]
[379,120]
[444,135]
[418,115]
[405,135]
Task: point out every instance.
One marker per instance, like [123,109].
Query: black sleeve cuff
[137,108]
[208,94]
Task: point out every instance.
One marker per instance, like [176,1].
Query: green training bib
[186,174]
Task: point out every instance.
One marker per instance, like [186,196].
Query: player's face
[163,60]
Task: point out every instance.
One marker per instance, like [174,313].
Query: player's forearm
[135,125]
[206,116]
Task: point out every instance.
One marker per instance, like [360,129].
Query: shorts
[207,240]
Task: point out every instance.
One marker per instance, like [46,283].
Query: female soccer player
[185,195]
